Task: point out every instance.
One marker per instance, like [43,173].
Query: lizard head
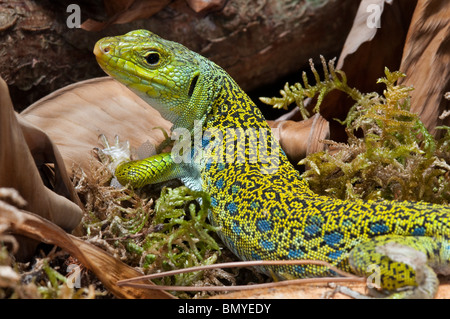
[167,75]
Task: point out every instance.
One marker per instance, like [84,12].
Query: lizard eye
[152,58]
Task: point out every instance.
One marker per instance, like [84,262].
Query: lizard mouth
[113,64]
[132,65]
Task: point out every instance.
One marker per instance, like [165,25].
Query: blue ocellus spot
[295,254]
[419,231]
[311,230]
[236,228]
[255,256]
[232,208]
[379,228]
[219,183]
[299,270]
[263,225]
[267,244]
[205,141]
[335,255]
[333,239]
[213,202]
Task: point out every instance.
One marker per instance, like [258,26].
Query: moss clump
[184,238]
[167,233]
[297,93]
[396,157]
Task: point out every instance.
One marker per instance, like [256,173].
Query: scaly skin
[265,210]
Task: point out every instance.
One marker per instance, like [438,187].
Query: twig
[245,287]
[348,277]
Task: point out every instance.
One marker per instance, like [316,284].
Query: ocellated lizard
[263,207]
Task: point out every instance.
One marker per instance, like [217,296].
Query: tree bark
[257,42]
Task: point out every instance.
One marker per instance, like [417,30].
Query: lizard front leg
[138,173]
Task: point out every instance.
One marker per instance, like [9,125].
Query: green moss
[183,239]
[396,157]
[334,80]
[170,233]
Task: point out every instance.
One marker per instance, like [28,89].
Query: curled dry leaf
[421,32]
[299,139]
[426,61]
[18,170]
[76,115]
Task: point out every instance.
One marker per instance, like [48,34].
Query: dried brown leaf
[299,139]
[107,268]
[18,170]
[76,115]
[426,62]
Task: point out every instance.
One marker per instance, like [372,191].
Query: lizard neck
[233,108]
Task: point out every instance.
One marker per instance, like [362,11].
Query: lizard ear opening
[192,86]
